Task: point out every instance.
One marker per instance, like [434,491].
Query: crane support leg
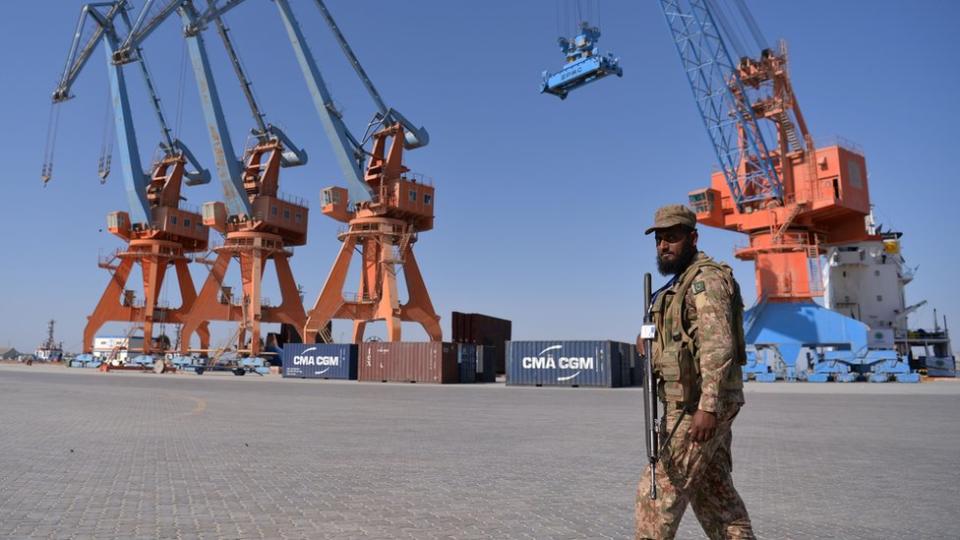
[153,257]
[109,307]
[419,308]
[253,250]
[330,299]
[153,271]
[379,297]
[290,311]
[388,308]
[188,296]
[251,273]
[207,306]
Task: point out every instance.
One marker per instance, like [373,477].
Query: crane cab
[706,204]
[335,203]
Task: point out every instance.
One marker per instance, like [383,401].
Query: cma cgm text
[316,360]
[564,362]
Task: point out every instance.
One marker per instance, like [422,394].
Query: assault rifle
[650,405]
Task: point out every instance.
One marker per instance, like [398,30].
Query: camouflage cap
[673,214]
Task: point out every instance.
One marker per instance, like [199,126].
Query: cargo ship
[50,350]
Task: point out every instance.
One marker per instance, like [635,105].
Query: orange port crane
[259,223]
[385,207]
[160,232]
[790,198]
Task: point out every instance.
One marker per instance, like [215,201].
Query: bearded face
[676,248]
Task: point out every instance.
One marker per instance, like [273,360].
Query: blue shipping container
[320,360]
[467,362]
[566,363]
[629,360]
[486,363]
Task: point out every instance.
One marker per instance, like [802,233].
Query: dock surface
[138,455]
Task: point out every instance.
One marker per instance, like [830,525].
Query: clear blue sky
[540,203]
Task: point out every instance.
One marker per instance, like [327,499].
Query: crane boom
[143,26]
[196,175]
[135,180]
[228,167]
[78,56]
[150,19]
[348,150]
[721,99]
[414,137]
[292,155]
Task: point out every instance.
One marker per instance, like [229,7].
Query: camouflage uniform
[697,362]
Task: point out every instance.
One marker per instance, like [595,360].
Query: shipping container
[630,367]
[467,362]
[483,330]
[568,363]
[320,360]
[428,362]
[637,371]
[486,358]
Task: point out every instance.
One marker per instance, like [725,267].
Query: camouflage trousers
[696,474]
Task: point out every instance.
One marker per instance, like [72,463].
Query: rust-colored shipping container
[483,330]
[427,362]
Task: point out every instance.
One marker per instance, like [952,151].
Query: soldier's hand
[641,346]
[703,427]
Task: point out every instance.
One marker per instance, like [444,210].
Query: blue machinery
[584,64]
[803,341]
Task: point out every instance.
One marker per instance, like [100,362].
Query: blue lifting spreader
[584,65]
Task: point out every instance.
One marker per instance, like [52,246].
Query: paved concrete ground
[91,455]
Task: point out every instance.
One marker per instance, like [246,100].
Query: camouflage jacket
[700,358]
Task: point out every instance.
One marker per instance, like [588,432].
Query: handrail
[294,199]
[419,178]
[188,207]
[837,140]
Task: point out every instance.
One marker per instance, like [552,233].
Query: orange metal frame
[275,225]
[385,230]
[171,234]
[826,196]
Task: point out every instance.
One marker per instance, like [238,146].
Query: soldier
[697,353]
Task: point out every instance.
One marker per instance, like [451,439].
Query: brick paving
[129,455]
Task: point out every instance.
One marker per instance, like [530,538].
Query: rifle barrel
[650,389]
